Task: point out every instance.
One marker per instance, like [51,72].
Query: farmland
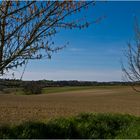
[67,101]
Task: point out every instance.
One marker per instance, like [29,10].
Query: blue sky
[94,53]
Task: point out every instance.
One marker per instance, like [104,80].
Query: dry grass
[19,108]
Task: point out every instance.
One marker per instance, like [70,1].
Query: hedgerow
[89,126]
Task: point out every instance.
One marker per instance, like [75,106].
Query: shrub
[84,126]
[2,87]
[6,132]
[32,87]
[30,130]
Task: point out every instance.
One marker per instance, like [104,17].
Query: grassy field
[48,90]
[68,101]
[74,88]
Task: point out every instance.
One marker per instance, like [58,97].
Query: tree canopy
[131,68]
[27,29]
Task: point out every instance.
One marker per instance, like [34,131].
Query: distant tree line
[36,87]
[8,83]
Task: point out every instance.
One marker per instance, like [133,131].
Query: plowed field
[19,108]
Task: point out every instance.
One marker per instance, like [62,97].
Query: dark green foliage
[83,126]
[30,130]
[58,129]
[2,87]
[131,132]
[101,125]
[6,132]
[32,88]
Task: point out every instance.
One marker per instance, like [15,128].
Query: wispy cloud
[76,49]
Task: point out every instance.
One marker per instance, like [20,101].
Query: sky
[94,53]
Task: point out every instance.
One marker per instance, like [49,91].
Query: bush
[6,132]
[2,87]
[84,126]
[32,87]
[30,130]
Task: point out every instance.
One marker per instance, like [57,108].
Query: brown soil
[19,108]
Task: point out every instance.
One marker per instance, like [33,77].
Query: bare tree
[132,67]
[27,28]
